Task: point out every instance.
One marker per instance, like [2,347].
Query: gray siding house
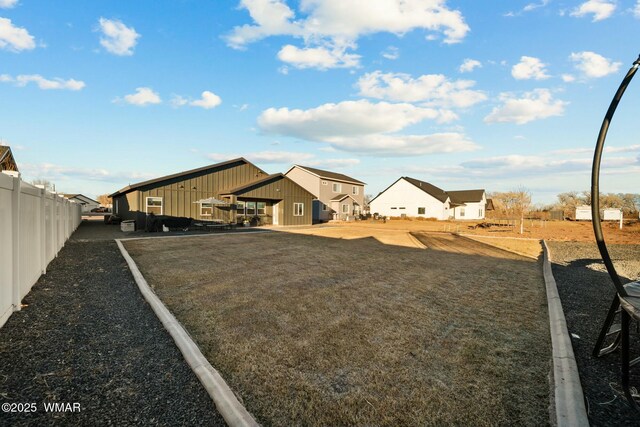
[240,190]
[337,196]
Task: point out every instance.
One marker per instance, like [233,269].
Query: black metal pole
[595,177]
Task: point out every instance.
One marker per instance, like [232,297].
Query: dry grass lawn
[311,330]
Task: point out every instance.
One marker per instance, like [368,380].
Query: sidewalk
[87,336]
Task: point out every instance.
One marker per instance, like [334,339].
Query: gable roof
[466,196]
[132,187]
[7,162]
[328,174]
[79,196]
[341,197]
[257,183]
[430,189]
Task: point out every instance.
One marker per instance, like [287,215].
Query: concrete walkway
[87,338]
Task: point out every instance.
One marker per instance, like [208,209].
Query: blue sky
[463,94]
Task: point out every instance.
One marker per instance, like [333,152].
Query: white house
[468,204]
[87,203]
[411,197]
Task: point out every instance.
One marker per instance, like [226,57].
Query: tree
[104,199]
[515,203]
[48,185]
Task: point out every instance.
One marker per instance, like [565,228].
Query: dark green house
[230,191]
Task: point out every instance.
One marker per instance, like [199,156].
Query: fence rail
[34,226]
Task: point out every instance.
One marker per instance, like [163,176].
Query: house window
[239,208]
[325,207]
[337,188]
[394,208]
[251,208]
[262,208]
[116,206]
[206,209]
[298,209]
[461,211]
[324,182]
[421,211]
[154,205]
[345,208]
[480,213]
[402,208]
[354,191]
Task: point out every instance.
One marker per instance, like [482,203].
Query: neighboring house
[87,203]
[235,189]
[410,197]
[7,162]
[337,196]
[469,204]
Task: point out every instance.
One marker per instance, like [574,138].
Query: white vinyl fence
[34,225]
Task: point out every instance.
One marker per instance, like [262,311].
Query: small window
[394,208]
[262,208]
[239,208]
[480,213]
[298,209]
[461,211]
[325,207]
[251,208]
[421,211]
[337,188]
[206,209]
[154,205]
[355,190]
[345,208]
[116,210]
[402,208]
[324,182]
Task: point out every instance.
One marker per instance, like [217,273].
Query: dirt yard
[326,331]
[575,231]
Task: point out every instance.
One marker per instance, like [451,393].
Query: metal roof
[430,189]
[330,175]
[132,187]
[466,196]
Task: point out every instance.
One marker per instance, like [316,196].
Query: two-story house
[338,196]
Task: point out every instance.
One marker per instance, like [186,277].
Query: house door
[276,216]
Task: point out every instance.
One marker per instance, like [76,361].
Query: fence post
[15,244]
[43,231]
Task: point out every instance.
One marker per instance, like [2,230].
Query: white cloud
[143,96]
[337,24]
[529,68]
[345,119]
[535,105]
[469,65]
[45,84]
[568,78]
[118,38]
[392,53]
[318,57]
[8,4]
[533,6]
[636,9]
[592,65]
[600,9]
[14,38]
[179,101]
[435,90]
[207,101]
[406,145]
[363,126]
[286,157]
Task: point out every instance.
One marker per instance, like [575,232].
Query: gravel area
[586,292]
[87,336]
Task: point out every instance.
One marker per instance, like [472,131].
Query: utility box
[129,225]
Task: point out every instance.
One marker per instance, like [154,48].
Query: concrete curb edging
[233,412]
[570,409]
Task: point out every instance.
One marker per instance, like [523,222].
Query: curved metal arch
[595,179]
